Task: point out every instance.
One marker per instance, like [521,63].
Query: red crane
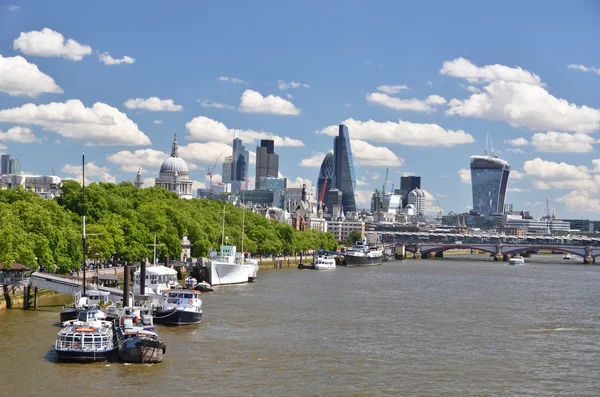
[323,190]
[210,173]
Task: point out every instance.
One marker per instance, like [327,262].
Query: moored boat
[361,254]
[89,338]
[516,260]
[324,262]
[178,307]
[137,340]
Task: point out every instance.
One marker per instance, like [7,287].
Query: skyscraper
[5,164]
[344,169]
[267,162]
[407,185]
[489,177]
[14,167]
[241,161]
[227,169]
[326,172]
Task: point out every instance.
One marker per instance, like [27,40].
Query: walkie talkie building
[489,177]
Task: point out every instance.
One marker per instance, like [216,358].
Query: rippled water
[429,327]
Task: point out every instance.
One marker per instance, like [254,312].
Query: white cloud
[153,104]
[91,170]
[402,132]
[12,8]
[585,68]
[289,96]
[581,201]
[435,100]
[562,142]
[19,134]
[517,142]
[517,151]
[551,171]
[2,147]
[517,190]
[465,69]
[19,77]
[108,60]
[253,102]
[413,104]
[216,178]
[465,175]
[206,129]
[526,105]
[314,160]
[148,160]
[363,198]
[375,175]
[48,43]
[392,89]
[514,174]
[149,182]
[292,84]
[234,80]
[100,124]
[364,153]
[208,104]
[473,89]
[361,182]
[197,185]
[157,121]
[205,153]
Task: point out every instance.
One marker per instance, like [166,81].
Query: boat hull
[68,314]
[231,273]
[83,356]
[176,317]
[363,260]
[141,350]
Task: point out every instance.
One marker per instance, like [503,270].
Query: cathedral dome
[174,164]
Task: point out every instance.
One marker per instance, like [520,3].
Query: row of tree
[122,221]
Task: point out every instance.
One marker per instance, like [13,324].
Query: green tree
[354,236]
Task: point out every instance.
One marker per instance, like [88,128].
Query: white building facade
[174,175]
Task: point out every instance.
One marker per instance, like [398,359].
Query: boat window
[187,296]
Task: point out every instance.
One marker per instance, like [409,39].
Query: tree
[354,236]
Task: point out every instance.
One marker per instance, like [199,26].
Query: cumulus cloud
[514,174]
[209,104]
[100,124]
[465,175]
[91,171]
[20,135]
[392,89]
[585,68]
[581,201]
[517,142]
[19,77]
[234,80]
[562,142]
[526,105]
[148,160]
[364,153]
[314,160]
[48,43]
[402,132]
[157,121]
[292,84]
[108,60]
[551,171]
[12,8]
[465,69]
[517,150]
[363,198]
[153,104]
[206,129]
[253,102]
[205,153]
[413,104]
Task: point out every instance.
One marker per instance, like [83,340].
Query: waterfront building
[342,228]
[326,172]
[416,197]
[272,183]
[5,164]
[46,186]
[139,180]
[536,226]
[584,225]
[14,167]
[333,199]
[344,169]
[408,184]
[174,175]
[227,169]
[489,177]
[267,162]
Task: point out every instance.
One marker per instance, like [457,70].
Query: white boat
[324,262]
[137,340]
[230,267]
[568,257]
[88,338]
[362,255]
[516,260]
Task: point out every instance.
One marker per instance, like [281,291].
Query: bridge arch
[426,248]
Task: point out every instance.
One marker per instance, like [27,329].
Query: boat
[137,340]
[324,262]
[202,286]
[178,307]
[568,257]
[94,299]
[516,260]
[361,254]
[89,338]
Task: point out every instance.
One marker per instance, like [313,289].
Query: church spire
[174,150]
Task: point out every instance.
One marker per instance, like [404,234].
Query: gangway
[66,285]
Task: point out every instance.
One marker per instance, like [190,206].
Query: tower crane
[385,181]
[323,191]
[210,173]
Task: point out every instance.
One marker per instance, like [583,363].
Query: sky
[420,86]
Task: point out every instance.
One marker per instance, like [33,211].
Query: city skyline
[416,104]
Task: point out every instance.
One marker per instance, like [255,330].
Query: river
[410,328]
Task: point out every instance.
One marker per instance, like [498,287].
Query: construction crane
[384,181]
[210,173]
[53,172]
[323,191]
[439,209]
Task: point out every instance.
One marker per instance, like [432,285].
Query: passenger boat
[92,300]
[516,260]
[568,257]
[89,338]
[361,254]
[178,307]
[137,340]
[324,262]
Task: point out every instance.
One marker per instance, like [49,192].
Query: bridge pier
[425,255]
[400,252]
[498,256]
[439,254]
[588,259]
[417,253]
[506,257]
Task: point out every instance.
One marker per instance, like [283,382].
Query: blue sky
[420,85]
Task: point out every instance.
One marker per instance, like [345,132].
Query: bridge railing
[452,238]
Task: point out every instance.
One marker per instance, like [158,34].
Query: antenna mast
[83,217]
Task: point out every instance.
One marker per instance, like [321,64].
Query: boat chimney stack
[143,277]
[126,281]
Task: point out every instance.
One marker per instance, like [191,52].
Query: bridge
[502,247]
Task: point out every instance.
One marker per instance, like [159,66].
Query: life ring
[75,345]
[191,302]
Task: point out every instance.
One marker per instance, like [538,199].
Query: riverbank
[18,298]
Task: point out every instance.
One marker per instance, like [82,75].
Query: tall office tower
[326,172]
[407,185]
[5,164]
[227,169]
[14,167]
[489,177]
[416,197]
[241,161]
[344,169]
[267,162]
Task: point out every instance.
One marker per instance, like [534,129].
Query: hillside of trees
[122,220]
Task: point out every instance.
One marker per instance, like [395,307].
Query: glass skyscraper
[326,172]
[344,169]
[239,167]
[489,177]
[267,161]
[407,185]
[5,164]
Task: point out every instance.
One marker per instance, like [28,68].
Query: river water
[411,328]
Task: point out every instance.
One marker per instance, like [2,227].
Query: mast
[83,218]
[154,250]
[243,216]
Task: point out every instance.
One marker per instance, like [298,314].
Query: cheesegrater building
[489,177]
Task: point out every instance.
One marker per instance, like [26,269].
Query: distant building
[333,199]
[14,167]
[174,175]
[304,216]
[261,198]
[345,180]
[341,229]
[47,186]
[584,225]
[326,172]
[5,164]
[272,183]
[408,184]
[536,226]
[267,161]
[416,197]
[240,164]
[227,170]
[489,178]
[139,180]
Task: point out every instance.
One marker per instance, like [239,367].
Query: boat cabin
[158,278]
[181,298]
